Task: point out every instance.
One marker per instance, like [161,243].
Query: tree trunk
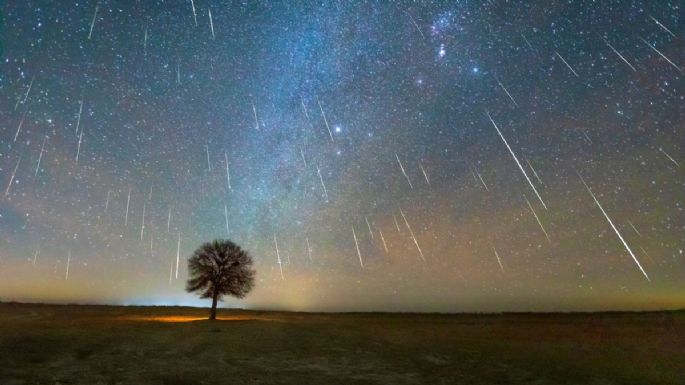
[212,315]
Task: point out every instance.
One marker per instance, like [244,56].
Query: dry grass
[132,345]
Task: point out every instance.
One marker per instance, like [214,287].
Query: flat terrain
[42,344]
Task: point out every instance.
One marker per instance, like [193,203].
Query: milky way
[369,155]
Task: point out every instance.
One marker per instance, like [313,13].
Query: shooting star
[482,181]
[323,114]
[506,91]
[26,96]
[499,261]
[256,119]
[14,173]
[423,171]
[517,161]
[178,253]
[92,23]
[40,156]
[80,111]
[66,275]
[356,244]
[385,245]
[412,235]
[35,255]
[618,234]
[662,55]
[128,202]
[226,217]
[228,174]
[304,160]
[669,157]
[662,26]
[107,200]
[325,192]
[309,249]
[397,225]
[527,42]
[403,172]
[192,4]
[21,123]
[567,65]
[618,53]
[278,258]
[634,228]
[369,226]
[533,170]
[537,219]
[142,225]
[78,148]
[168,221]
[145,42]
[209,164]
[211,24]
[417,27]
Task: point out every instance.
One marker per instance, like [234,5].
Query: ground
[43,344]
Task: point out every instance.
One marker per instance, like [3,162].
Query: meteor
[385,246]
[21,123]
[40,156]
[618,234]
[412,235]
[192,4]
[369,226]
[226,217]
[506,91]
[537,219]
[211,24]
[128,202]
[567,65]
[92,23]
[278,258]
[662,55]
[323,114]
[357,245]
[403,172]
[517,161]
[228,174]
[66,275]
[178,253]
[662,26]
[14,173]
[499,261]
[618,53]
[325,192]
[424,173]
[669,157]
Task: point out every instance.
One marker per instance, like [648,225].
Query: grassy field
[42,344]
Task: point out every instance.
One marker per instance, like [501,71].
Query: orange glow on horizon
[188,318]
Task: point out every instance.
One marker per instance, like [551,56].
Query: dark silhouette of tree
[220,268]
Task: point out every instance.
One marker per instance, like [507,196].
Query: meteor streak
[403,172]
[412,235]
[278,258]
[618,234]
[517,161]
[356,244]
[537,219]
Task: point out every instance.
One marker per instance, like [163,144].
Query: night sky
[402,156]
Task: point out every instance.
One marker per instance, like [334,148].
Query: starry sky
[399,156]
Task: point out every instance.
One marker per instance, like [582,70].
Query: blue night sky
[369,155]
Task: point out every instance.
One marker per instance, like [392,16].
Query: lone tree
[220,268]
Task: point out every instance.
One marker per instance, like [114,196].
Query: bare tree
[220,268]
